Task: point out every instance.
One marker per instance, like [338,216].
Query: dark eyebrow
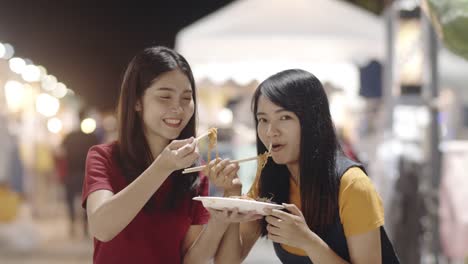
[165,89]
[172,89]
[277,111]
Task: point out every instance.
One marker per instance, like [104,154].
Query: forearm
[206,245]
[112,216]
[319,252]
[230,248]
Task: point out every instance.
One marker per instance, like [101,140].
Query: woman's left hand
[289,228]
[223,174]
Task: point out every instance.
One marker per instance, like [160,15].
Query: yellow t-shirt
[360,205]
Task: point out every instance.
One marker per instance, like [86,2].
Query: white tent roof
[249,34]
[252,39]
[301,29]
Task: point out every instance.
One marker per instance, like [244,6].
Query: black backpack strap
[389,255]
[343,164]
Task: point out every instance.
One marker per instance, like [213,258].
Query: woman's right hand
[179,154]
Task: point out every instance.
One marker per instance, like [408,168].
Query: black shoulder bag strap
[388,252]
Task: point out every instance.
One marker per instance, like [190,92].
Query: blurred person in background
[139,205]
[11,165]
[16,229]
[9,199]
[71,167]
[333,213]
[17,232]
[347,145]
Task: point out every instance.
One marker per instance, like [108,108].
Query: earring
[138,107]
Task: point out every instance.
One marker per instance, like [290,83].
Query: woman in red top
[139,205]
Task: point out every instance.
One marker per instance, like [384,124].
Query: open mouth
[276,147]
[172,122]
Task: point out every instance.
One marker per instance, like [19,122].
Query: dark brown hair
[132,151]
[302,93]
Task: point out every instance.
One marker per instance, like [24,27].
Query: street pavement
[56,247]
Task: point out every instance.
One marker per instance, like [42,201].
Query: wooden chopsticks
[200,168]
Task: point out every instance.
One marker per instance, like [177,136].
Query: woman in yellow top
[332,212]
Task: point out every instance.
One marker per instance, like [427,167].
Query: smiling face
[282,129]
[166,106]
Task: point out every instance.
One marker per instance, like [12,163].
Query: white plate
[242,205]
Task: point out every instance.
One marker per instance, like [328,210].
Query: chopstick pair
[200,168]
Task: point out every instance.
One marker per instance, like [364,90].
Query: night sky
[87,44]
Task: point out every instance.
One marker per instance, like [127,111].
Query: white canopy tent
[252,39]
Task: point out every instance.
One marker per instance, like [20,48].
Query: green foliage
[450,18]
[374,6]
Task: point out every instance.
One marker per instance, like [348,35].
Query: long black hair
[302,93]
[132,149]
